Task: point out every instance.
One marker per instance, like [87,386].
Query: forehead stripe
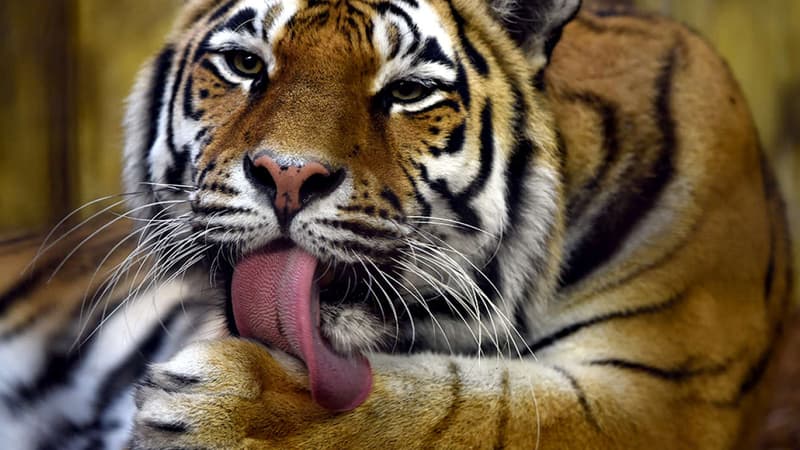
[411,3]
[242,20]
[476,59]
[179,158]
[222,10]
[432,52]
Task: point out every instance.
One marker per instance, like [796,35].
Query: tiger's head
[371,175]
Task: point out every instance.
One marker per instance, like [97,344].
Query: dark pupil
[406,89]
[249,62]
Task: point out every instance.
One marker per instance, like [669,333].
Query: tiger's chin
[353,329]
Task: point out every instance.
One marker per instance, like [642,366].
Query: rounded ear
[536,25]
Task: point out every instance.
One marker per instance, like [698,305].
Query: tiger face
[389,157]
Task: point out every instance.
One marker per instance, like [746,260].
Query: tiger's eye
[407,91]
[245,64]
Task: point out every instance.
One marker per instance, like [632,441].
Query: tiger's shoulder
[624,80]
[667,187]
[655,132]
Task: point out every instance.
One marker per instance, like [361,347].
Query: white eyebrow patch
[401,59]
[251,35]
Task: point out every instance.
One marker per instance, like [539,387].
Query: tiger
[412,224]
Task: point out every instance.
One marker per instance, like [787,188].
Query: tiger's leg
[232,394]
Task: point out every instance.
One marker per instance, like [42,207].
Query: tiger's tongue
[276,301]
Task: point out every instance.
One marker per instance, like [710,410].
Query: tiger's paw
[225,394]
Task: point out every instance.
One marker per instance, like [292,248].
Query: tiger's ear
[535,25]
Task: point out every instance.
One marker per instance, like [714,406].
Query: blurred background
[70,64]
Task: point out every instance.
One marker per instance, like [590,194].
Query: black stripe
[581,394]
[167,427]
[220,210]
[395,46]
[517,167]
[676,375]
[459,203]
[608,112]
[243,19]
[571,329]
[209,66]
[24,286]
[432,52]
[28,282]
[505,411]
[769,274]
[20,327]
[772,198]
[456,401]
[486,156]
[188,101]
[664,257]
[454,105]
[119,381]
[516,175]
[220,188]
[205,45]
[158,87]
[420,199]
[180,159]
[385,7]
[65,433]
[201,178]
[222,10]
[636,199]
[755,373]
[461,85]
[455,142]
[360,229]
[169,382]
[388,195]
[475,58]
[59,366]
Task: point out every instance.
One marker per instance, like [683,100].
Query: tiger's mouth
[276,299]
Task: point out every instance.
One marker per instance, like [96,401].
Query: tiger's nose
[292,186]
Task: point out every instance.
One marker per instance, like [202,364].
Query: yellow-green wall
[69,66]
[73,61]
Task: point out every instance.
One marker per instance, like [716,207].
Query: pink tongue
[276,301]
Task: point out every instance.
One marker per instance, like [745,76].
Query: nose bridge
[335,101]
[318,98]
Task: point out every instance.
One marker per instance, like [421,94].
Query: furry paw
[224,394]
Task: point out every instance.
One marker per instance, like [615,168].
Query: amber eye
[409,91]
[244,64]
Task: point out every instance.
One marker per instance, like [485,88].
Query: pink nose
[295,185]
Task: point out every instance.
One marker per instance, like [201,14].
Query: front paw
[224,394]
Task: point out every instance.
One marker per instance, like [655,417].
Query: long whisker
[507,323]
[447,222]
[103,227]
[386,277]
